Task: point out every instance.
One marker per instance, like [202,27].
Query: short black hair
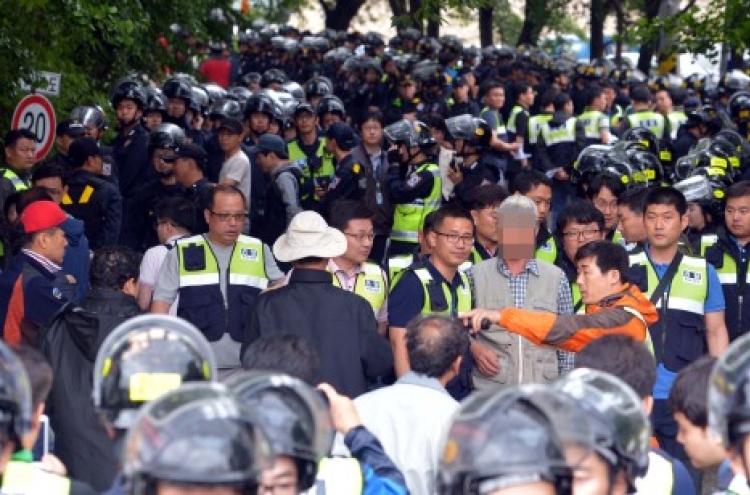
[428,223]
[579,211]
[224,189]
[49,171]
[593,92]
[12,136]
[113,266]
[561,99]
[342,212]
[667,196]
[486,195]
[289,354]
[436,121]
[177,210]
[623,357]
[39,372]
[375,115]
[633,199]
[450,211]
[739,189]
[641,94]
[600,181]
[528,179]
[492,84]
[521,87]
[689,393]
[548,98]
[608,255]
[433,344]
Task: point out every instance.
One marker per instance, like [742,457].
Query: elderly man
[396,414]
[515,279]
[340,325]
[217,275]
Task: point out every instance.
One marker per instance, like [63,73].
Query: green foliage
[93,43]
[434,10]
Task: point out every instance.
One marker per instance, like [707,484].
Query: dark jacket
[97,203]
[339,324]
[70,344]
[138,231]
[378,203]
[77,256]
[130,153]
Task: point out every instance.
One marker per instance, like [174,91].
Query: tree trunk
[398,7]
[433,28]
[341,14]
[596,20]
[648,49]
[415,15]
[536,14]
[485,26]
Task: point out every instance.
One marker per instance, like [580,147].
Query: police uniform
[130,153]
[546,246]
[495,158]
[592,121]
[559,144]
[414,197]
[97,203]
[676,118]
[532,137]
[648,119]
[316,166]
[138,230]
[369,283]
[349,183]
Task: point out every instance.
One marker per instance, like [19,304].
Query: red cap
[41,215]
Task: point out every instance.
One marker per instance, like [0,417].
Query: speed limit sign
[35,113]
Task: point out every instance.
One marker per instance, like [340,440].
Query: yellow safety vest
[24,478]
[338,476]
[370,283]
[654,122]
[408,217]
[591,120]
[298,158]
[463,294]
[535,126]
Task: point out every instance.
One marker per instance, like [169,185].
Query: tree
[339,13]
[92,43]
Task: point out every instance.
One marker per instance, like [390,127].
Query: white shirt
[150,266]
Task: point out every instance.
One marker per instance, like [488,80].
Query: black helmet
[647,167]
[411,33]
[331,104]
[273,76]
[251,78]
[729,394]
[318,86]
[502,438]
[669,82]
[225,108]
[90,115]
[215,92]
[645,137]
[616,416]
[239,93]
[127,89]
[294,416]
[199,100]
[15,398]
[294,89]
[259,103]
[472,130]
[411,133]
[741,146]
[155,101]
[618,165]
[197,434]
[177,88]
[735,80]
[589,164]
[709,193]
[166,136]
[144,357]
[739,107]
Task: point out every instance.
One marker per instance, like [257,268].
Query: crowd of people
[343,266]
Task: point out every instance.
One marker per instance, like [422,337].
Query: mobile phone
[44,441]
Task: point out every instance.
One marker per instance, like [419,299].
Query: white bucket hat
[309,235]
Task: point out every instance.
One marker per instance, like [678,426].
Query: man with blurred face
[538,188]
[515,279]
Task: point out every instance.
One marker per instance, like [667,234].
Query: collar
[438,277]
[23,456]
[484,253]
[200,182]
[531,266]
[307,275]
[737,243]
[46,263]
[334,268]
[420,380]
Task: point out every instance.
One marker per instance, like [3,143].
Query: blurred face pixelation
[517,236]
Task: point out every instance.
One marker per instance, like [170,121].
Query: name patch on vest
[249,254]
[413,181]
[372,286]
[692,277]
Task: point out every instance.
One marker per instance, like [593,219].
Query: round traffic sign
[35,113]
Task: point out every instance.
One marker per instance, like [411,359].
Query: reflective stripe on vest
[26,479]
[535,126]
[246,266]
[408,218]
[676,119]
[650,120]
[591,120]
[514,112]
[463,294]
[500,130]
[85,197]
[338,475]
[18,183]
[563,134]
[397,265]
[659,479]
[370,284]
[547,251]
[298,158]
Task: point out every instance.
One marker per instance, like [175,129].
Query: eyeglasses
[225,217]
[360,237]
[585,234]
[454,238]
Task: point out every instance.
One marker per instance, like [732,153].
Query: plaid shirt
[518,286]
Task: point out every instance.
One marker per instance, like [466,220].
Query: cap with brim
[187,150]
[41,215]
[344,135]
[71,128]
[82,149]
[272,143]
[309,235]
[232,125]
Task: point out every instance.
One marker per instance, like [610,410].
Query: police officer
[460,102]
[483,454]
[309,153]
[138,229]
[200,421]
[644,116]
[91,198]
[595,122]
[130,147]
[435,286]
[65,133]
[178,94]
[470,137]
[727,250]
[688,295]
[20,157]
[217,275]
[414,181]
[349,179]
[483,205]
[538,188]
[518,121]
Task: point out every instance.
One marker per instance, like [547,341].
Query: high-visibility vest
[370,283]
[298,158]
[24,478]
[408,217]
[463,295]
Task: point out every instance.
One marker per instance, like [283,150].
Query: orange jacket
[573,332]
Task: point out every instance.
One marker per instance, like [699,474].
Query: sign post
[36,113]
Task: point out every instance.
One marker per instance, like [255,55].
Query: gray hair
[518,205]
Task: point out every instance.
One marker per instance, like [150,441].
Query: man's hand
[473,319]
[455,176]
[52,464]
[485,358]
[343,411]
[561,174]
